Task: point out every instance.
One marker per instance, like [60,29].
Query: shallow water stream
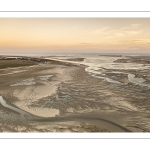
[23,113]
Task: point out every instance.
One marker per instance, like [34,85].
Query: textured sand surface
[65,98]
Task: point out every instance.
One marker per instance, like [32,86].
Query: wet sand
[65,98]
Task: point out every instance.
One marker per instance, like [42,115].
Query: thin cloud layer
[74,34]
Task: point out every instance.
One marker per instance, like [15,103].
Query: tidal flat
[75,94]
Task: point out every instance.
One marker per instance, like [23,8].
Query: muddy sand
[64,98]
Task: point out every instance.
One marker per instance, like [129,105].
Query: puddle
[106,79]
[139,81]
[44,78]
[30,81]
[132,78]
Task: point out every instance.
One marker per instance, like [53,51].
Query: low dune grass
[14,63]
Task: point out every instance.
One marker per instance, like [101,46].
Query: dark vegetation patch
[14,63]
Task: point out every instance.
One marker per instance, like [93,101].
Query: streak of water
[4,103]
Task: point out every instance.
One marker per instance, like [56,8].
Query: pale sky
[74,35]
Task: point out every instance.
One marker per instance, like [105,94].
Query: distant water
[98,65]
[71,54]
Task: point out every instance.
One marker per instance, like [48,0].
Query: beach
[57,96]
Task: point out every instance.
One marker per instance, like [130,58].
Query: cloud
[126,31]
[135,25]
[85,43]
[136,42]
[100,30]
[123,28]
[139,47]
[132,32]
[132,26]
[135,48]
[119,33]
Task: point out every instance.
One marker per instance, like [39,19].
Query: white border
[98,135]
[74,5]
[74,14]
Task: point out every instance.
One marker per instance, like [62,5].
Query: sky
[74,35]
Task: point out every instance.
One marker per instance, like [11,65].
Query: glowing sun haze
[74,35]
